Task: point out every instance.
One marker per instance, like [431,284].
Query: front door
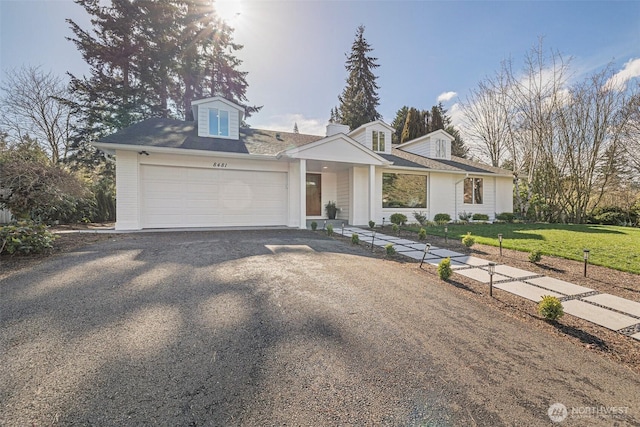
[314,194]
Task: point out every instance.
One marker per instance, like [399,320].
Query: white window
[378,140]
[473,191]
[441,149]
[218,122]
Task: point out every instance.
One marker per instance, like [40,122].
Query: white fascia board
[375,122]
[111,148]
[298,152]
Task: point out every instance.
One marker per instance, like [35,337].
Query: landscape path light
[446,229]
[500,240]
[342,228]
[492,270]
[585,253]
[427,248]
[373,237]
[324,225]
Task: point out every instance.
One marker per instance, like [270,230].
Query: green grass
[610,246]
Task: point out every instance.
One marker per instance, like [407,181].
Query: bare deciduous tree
[31,106]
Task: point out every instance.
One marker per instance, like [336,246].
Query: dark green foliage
[614,215]
[372,224]
[359,99]
[314,225]
[331,210]
[398,124]
[506,216]
[422,234]
[468,240]
[421,218]
[330,229]
[25,237]
[444,269]
[480,217]
[398,218]
[395,228]
[442,217]
[355,239]
[389,249]
[535,256]
[550,308]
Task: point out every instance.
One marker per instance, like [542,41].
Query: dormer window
[378,140]
[218,122]
[441,149]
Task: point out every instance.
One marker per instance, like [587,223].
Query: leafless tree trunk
[31,106]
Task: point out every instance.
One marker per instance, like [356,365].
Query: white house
[212,172]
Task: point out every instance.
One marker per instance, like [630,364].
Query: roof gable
[336,148]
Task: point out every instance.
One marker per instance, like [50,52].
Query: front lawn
[610,246]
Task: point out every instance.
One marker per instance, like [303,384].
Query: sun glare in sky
[229,10]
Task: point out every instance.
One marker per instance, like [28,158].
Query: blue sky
[295,50]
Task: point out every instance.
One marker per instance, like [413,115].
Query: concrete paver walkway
[606,310]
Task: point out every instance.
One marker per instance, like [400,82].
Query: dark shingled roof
[169,133]
[399,161]
[456,164]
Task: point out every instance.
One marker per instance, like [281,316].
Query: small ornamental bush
[372,224]
[355,239]
[442,218]
[480,217]
[550,308]
[444,269]
[398,218]
[395,228]
[330,229]
[465,216]
[389,249]
[314,225]
[422,234]
[506,216]
[25,237]
[535,256]
[468,240]
[420,218]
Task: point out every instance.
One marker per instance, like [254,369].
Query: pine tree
[359,98]
[295,128]
[398,124]
[414,125]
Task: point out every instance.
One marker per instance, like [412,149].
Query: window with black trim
[404,191]
[473,191]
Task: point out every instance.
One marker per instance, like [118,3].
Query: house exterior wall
[359,204]
[329,190]
[342,195]
[294,194]
[127,190]
[504,187]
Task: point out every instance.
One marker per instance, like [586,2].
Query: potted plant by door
[331,210]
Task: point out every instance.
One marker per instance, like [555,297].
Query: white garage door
[191,197]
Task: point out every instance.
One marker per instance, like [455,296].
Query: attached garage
[199,197]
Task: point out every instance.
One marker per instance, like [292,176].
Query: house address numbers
[219,165]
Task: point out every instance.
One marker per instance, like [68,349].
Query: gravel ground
[277,328]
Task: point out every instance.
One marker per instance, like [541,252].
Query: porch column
[372,191]
[303,194]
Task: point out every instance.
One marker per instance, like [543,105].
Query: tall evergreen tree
[295,128]
[398,124]
[359,98]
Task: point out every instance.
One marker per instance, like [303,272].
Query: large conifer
[359,98]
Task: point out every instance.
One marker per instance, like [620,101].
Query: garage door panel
[196,197]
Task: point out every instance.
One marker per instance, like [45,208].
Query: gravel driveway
[276,327]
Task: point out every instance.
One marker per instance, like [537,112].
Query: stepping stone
[417,255]
[529,292]
[617,303]
[377,241]
[401,248]
[471,260]
[598,315]
[436,261]
[516,273]
[480,275]
[445,253]
[420,247]
[636,336]
[560,286]
[403,241]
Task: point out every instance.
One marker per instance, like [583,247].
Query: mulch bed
[615,346]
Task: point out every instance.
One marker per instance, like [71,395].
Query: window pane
[404,191]
[381,143]
[224,123]
[477,191]
[213,121]
[468,190]
[374,138]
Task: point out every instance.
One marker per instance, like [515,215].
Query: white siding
[342,197]
[359,212]
[421,149]
[329,190]
[294,194]
[127,190]
[441,194]
[504,194]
